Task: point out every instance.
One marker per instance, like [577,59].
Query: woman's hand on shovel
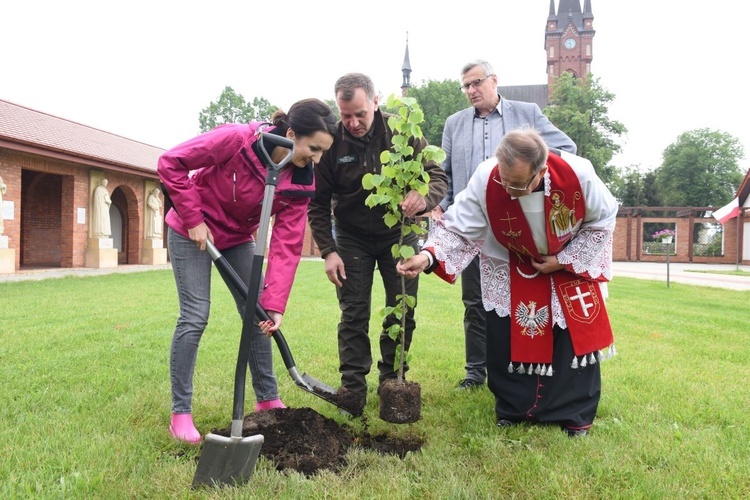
[268,327]
[199,234]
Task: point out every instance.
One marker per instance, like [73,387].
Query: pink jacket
[226,191]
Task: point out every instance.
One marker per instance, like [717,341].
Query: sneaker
[574,433]
[505,423]
[469,384]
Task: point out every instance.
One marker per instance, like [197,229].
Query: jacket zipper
[234,186]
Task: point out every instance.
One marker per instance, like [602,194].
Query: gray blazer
[457,140]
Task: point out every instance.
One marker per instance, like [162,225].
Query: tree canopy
[231,107]
[700,169]
[438,101]
[634,188]
[579,107]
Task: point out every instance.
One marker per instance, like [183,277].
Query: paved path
[691,274]
[60,272]
[678,273]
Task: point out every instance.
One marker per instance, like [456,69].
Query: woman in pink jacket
[216,182]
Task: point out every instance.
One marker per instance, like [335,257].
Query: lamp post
[668,240]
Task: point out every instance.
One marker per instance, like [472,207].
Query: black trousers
[475,322]
[569,397]
[361,257]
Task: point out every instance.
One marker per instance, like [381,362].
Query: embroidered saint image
[532,321]
[561,218]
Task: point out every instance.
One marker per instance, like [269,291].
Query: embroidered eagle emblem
[532,320]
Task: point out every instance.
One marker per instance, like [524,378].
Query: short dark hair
[306,117]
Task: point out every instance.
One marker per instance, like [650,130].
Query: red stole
[531,291]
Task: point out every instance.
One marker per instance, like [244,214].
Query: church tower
[568,39]
[406,69]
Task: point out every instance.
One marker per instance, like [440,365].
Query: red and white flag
[729,211]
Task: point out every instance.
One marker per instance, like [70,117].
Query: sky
[145,70]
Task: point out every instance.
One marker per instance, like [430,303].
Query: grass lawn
[85,401]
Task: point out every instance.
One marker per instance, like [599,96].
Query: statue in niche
[153,215]
[100,220]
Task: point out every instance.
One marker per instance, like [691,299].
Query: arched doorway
[126,221]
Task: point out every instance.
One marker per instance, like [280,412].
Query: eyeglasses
[514,188]
[476,83]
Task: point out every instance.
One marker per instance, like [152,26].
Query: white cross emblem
[579,297]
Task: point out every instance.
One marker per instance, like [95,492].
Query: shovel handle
[276,140]
[232,279]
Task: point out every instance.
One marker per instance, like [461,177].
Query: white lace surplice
[464,231]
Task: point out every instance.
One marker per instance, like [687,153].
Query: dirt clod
[303,440]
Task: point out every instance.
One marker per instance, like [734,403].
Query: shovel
[231,460]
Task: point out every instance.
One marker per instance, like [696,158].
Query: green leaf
[395,250]
[407,251]
[391,219]
[384,157]
[411,301]
[367,181]
[394,331]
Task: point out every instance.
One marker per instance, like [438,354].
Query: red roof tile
[24,126]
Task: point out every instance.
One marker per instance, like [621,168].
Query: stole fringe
[593,357]
[545,369]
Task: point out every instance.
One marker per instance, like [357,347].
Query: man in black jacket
[362,239]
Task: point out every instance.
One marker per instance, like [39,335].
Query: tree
[334,107]
[231,107]
[438,100]
[401,172]
[634,188]
[700,169]
[579,107]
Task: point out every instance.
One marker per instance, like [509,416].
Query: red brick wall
[41,219]
[49,192]
[629,235]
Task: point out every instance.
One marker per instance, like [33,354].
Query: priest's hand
[548,265]
[412,266]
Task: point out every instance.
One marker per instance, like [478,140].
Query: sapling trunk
[400,348]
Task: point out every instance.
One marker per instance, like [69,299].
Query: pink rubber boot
[183,429]
[269,405]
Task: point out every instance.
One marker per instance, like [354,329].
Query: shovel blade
[323,391]
[317,385]
[227,460]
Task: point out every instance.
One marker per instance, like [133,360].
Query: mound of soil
[303,440]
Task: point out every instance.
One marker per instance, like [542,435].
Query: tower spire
[406,69]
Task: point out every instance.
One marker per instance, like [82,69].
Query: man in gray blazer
[470,137]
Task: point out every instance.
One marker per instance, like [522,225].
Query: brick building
[50,167]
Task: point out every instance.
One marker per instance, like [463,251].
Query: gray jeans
[192,273]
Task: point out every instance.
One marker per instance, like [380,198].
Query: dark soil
[400,402]
[303,440]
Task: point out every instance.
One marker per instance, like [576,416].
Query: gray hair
[487,67]
[350,82]
[523,145]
